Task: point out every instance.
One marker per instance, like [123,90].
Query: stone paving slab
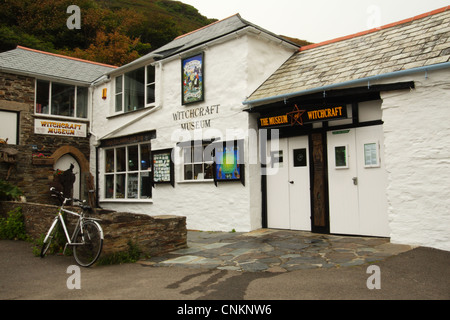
[274,250]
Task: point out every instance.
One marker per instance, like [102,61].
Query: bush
[9,191]
[13,227]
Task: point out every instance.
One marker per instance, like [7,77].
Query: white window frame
[49,111]
[140,172]
[194,162]
[146,86]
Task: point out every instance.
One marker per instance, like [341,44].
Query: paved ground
[231,267]
[277,251]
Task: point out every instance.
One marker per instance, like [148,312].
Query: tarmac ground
[263,267]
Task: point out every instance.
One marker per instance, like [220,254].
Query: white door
[357,181]
[63,164]
[288,192]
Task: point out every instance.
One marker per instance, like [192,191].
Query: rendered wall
[417,140]
[229,79]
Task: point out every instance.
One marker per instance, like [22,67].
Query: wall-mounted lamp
[104,93]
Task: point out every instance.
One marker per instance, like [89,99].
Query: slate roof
[38,63]
[417,42]
[201,36]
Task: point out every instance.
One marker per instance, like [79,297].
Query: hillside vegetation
[112,31]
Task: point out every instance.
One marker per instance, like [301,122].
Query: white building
[145,110]
[361,122]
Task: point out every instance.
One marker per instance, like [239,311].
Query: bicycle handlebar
[61,196]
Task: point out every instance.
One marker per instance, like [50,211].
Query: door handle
[291,182]
[355,180]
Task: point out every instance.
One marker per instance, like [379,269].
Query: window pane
[120,159]
[109,186]
[198,171]
[118,102]
[133,159]
[118,84]
[146,185]
[150,74]
[63,100]
[198,153]
[118,94]
[42,95]
[132,186]
[134,89]
[150,93]
[145,157]
[340,156]
[120,186]
[82,101]
[208,173]
[187,155]
[109,160]
[188,174]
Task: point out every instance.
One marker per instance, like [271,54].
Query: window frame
[147,85]
[127,173]
[50,98]
[194,161]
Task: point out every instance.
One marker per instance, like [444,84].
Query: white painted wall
[417,147]
[233,70]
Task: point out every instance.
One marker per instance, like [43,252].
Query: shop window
[128,172]
[135,89]
[198,163]
[59,99]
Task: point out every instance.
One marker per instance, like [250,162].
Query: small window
[61,99]
[371,155]
[341,157]
[198,163]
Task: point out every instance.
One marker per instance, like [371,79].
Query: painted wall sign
[299,117]
[60,128]
[193,114]
[193,81]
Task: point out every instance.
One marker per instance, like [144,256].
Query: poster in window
[163,167]
[229,164]
[192,79]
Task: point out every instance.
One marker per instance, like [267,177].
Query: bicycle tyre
[86,254]
[46,244]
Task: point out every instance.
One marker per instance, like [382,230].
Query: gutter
[367,80]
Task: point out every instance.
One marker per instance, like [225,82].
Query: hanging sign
[298,117]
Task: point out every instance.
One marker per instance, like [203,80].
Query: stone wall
[33,175]
[154,235]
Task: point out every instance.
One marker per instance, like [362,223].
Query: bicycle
[87,237]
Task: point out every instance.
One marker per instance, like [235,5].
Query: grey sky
[317,20]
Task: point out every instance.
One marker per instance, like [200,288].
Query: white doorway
[63,164]
[357,181]
[288,181]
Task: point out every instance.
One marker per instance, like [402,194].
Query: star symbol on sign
[296,116]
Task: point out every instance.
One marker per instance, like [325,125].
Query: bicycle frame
[79,224]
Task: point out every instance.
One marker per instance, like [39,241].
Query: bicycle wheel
[48,238]
[91,242]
